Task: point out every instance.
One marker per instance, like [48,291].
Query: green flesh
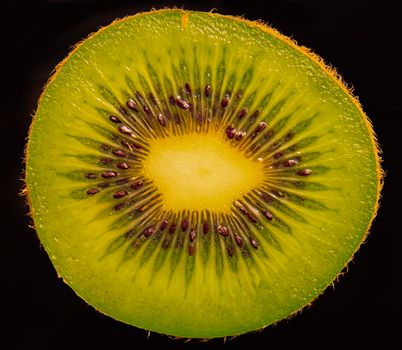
[103,254]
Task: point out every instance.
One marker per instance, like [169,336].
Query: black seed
[223,230]
[139,96]
[243,112]
[239,134]
[103,185]
[252,218]
[146,109]
[161,119]
[265,197]
[136,185]
[191,249]
[125,144]
[108,174]
[205,227]
[207,90]
[106,160]
[225,100]
[92,191]
[119,206]
[125,130]
[188,89]
[268,215]
[149,231]
[304,172]
[192,235]
[105,148]
[163,224]
[114,119]
[290,162]
[184,225]
[230,132]
[239,240]
[121,182]
[182,103]
[253,243]
[230,250]
[120,194]
[246,212]
[132,105]
[260,128]
[91,176]
[240,207]
[172,228]
[119,153]
[123,166]
[277,155]
[130,145]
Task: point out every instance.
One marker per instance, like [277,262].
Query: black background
[358,37]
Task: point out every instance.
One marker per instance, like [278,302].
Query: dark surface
[40,311]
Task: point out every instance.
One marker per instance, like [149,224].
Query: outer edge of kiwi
[328,69]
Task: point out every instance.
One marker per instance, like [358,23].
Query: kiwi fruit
[199,175]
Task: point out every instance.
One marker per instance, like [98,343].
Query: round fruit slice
[199,175]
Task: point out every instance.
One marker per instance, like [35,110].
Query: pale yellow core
[200,171]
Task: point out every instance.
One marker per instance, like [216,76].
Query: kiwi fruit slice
[199,175]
